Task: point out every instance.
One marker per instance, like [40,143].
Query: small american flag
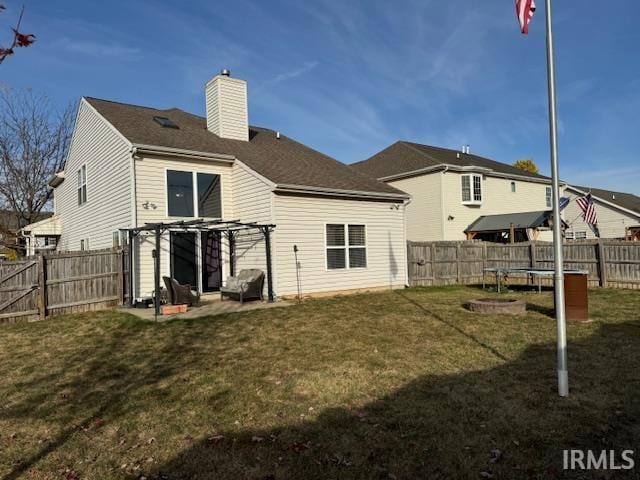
[524,10]
[588,209]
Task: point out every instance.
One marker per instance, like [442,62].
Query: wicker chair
[180,294]
[247,284]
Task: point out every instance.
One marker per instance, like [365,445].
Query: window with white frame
[575,235]
[84,244]
[548,196]
[82,185]
[346,246]
[513,187]
[471,188]
[192,194]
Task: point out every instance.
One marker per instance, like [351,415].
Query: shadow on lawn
[447,426]
[108,379]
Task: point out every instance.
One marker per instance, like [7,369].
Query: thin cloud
[282,77]
[96,49]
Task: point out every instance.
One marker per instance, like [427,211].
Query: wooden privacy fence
[610,263]
[58,283]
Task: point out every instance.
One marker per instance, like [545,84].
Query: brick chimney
[227,112]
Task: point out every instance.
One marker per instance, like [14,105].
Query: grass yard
[396,385]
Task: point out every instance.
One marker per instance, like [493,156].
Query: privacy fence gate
[610,263]
[58,283]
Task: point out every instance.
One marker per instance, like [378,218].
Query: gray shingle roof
[625,200]
[403,157]
[492,223]
[283,160]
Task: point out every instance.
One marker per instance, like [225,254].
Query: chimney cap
[225,72]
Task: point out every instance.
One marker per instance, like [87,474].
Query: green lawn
[404,384]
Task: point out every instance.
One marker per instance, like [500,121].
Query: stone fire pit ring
[498,306]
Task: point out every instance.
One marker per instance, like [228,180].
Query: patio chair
[247,284]
[180,294]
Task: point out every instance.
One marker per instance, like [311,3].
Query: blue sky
[350,77]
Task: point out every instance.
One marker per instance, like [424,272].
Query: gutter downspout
[442,230]
[404,240]
[134,218]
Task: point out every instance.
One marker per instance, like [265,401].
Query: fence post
[120,261]
[42,287]
[532,257]
[433,263]
[602,264]
[458,264]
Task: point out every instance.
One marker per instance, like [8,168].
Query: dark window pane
[466,189]
[209,201]
[335,235]
[336,258]
[180,193]
[356,235]
[357,257]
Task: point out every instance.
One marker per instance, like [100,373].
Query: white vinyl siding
[302,221]
[106,156]
[226,102]
[424,218]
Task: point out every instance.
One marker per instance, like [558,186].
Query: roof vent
[165,122]
[226,72]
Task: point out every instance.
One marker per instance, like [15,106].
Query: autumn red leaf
[22,39]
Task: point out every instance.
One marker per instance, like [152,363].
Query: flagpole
[563,375]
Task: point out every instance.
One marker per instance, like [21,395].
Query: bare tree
[34,138]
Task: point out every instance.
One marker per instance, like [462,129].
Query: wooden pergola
[229,228]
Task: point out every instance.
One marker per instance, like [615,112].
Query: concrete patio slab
[210,305]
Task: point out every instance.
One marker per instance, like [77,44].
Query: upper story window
[191,194]
[82,185]
[346,246]
[513,187]
[548,196]
[471,188]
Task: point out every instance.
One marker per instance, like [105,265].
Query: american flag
[588,209]
[524,10]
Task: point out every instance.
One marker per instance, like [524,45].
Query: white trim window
[84,244]
[471,186]
[82,185]
[575,235]
[548,197]
[346,246]
[513,187]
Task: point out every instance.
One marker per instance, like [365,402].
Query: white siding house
[132,166]
[618,214]
[99,166]
[450,190]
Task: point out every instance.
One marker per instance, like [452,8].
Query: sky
[350,77]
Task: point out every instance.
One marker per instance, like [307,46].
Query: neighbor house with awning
[195,196]
[452,190]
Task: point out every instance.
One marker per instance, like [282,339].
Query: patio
[210,305]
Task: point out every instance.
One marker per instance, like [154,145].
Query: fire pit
[495,306]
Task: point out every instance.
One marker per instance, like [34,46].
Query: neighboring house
[451,190]
[11,228]
[618,214]
[41,236]
[130,165]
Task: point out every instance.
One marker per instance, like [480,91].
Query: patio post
[232,252]
[156,300]
[267,241]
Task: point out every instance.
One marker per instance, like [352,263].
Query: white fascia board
[463,169]
[286,188]
[141,149]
